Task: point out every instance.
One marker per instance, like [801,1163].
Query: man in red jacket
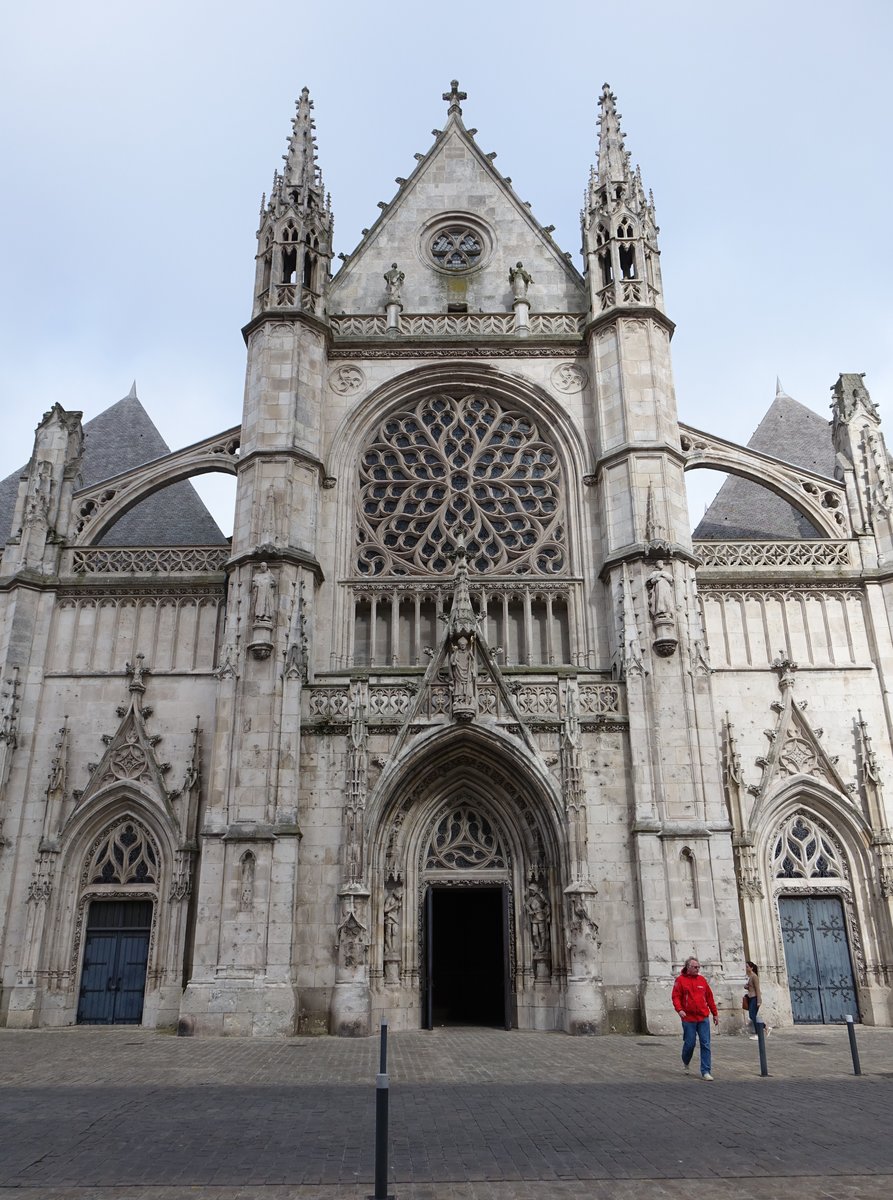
[693,1000]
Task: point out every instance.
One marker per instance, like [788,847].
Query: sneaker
[766,1031]
[707,1076]
[754,1038]
[685,1068]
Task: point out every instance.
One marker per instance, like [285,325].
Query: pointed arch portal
[471,842]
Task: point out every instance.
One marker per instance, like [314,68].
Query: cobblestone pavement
[128,1114]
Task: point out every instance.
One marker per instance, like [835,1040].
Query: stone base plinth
[241,1008]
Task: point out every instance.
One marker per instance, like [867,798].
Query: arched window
[125,854]
[465,841]
[689,878]
[803,850]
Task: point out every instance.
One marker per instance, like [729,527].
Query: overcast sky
[139,136]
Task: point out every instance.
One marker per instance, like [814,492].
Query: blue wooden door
[817,954]
[116,951]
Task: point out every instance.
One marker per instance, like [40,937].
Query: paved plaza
[129,1114]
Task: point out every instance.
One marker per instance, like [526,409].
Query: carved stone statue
[393,282]
[520,281]
[262,587]
[661,601]
[392,908]
[462,670]
[38,504]
[539,912]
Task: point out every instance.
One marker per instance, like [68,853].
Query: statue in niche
[393,280]
[262,587]
[520,281]
[246,893]
[661,600]
[351,939]
[393,906]
[58,772]
[539,913]
[462,671]
[38,505]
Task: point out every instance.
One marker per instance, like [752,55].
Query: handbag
[745,1002]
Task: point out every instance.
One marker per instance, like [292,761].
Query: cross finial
[454,96]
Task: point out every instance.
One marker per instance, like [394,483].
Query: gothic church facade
[461,725]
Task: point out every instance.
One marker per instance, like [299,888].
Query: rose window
[460,460]
[456,248]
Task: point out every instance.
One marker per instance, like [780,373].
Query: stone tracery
[460,459]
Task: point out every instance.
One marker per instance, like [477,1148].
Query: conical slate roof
[123,437]
[743,509]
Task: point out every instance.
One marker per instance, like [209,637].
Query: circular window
[456,248]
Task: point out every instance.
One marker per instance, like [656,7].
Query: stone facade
[463,725]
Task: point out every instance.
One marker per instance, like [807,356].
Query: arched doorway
[116,923]
[813,897]
[467,934]
[471,854]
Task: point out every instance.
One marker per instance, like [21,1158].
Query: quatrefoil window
[456,248]
[460,459]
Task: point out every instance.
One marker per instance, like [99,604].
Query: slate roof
[741,508]
[123,437]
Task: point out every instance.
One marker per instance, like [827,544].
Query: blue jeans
[694,1031]
[753,1008]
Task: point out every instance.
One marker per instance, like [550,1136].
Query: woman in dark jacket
[754,996]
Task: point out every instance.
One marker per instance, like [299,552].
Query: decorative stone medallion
[569,377]
[347,380]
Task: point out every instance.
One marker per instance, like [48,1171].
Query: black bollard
[854,1049]
[382,1085]
[761,1044]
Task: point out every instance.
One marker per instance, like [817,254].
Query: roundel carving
[460,459]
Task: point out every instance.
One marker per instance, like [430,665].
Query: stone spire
[302,174]
[296,227]
[619,225]
[613,159]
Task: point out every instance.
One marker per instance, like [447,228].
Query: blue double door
[817,954]
[116,951]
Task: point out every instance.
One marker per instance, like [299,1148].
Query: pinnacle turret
[619,226]
[296,226]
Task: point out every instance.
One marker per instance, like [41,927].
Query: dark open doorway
[466,957]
